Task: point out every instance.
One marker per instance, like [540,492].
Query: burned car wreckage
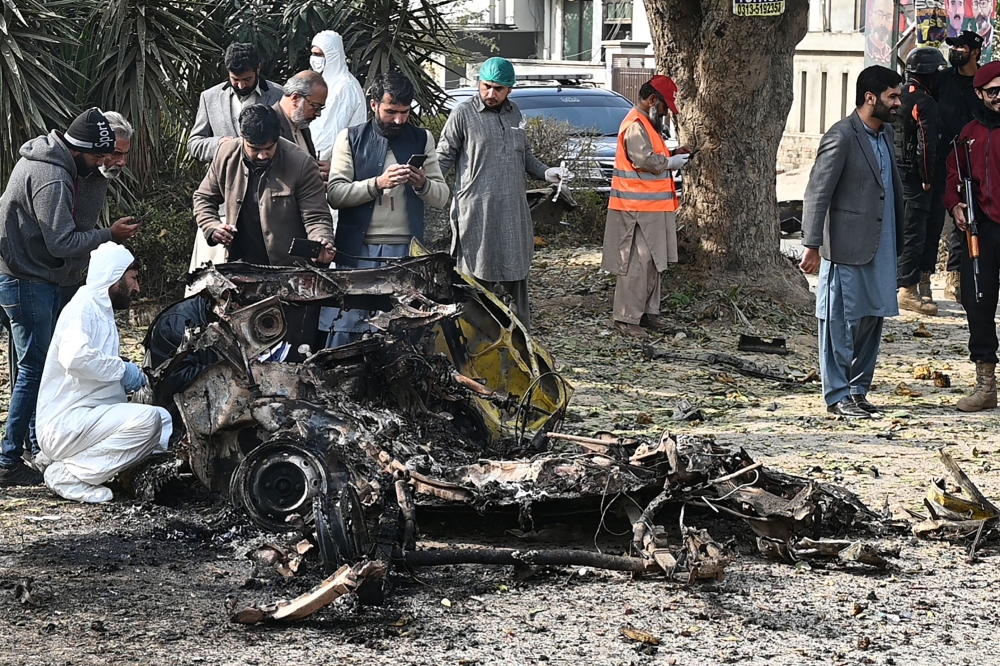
[450,402]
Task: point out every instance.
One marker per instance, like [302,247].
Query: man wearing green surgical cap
[484,140]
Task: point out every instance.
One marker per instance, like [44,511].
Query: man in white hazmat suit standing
[85,425]
[345,106]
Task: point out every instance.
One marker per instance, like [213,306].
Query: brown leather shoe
[630,330]
[653,323]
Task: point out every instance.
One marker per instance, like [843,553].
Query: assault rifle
[971,226]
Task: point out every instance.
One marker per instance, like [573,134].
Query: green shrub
[587,219]
[166,239]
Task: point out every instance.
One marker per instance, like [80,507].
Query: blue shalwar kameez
[852,302]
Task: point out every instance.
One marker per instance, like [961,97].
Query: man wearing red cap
[640,237]
[984,168]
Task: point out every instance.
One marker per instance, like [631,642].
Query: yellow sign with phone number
[744,8]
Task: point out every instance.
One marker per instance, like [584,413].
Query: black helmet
[925,60]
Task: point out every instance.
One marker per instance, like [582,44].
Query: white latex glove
[678,161]
[555,174]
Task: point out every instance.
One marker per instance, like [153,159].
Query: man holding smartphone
[48,227]
[382,174]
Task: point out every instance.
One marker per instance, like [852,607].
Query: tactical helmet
[925,60]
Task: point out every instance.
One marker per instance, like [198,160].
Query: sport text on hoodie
[49,214]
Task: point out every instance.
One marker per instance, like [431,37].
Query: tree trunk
[734,76]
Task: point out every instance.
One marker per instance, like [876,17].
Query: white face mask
[317,63]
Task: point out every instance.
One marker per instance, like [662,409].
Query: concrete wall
[827,63]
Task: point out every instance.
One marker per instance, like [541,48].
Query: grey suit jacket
[215,118]
[845,200]
[288,135]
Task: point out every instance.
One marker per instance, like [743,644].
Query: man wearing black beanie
[48,222]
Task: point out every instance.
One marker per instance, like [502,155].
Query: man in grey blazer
[303,102]
[852,221]
[217,121]
[220,106]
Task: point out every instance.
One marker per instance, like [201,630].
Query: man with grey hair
[303,102]
[116,161]
[48,228]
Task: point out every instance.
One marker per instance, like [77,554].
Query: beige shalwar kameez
[639,246]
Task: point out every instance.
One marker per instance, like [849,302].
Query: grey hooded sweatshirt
[49,215]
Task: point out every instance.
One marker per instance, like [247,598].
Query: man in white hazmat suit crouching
[85,425]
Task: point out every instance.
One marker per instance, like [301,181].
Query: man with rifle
[973,165]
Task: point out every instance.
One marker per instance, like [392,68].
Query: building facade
[585,36]
[827,64]
[559,35]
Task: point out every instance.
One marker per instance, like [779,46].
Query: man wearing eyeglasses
[303,102]
[984,168]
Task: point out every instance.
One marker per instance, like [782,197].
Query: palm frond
[32,97]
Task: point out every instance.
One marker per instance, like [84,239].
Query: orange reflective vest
[641,191]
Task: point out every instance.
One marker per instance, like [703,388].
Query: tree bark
[734,76]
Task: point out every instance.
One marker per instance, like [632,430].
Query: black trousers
[916,213]
[956,244]
[935,222]
[981,316]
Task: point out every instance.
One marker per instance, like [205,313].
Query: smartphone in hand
[417,161]
[303,247]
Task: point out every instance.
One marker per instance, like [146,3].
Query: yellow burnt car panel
[494,348]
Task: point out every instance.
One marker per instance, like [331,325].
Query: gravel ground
[135,583]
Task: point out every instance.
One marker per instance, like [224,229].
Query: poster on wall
[878,30]
[935,20]
[976,15]
[932,22]
[980,17]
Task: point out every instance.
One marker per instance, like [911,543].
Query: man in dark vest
[379,196]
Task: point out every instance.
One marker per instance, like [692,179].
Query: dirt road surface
[133,583]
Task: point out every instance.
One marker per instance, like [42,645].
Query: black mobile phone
[303,247]
[417,161]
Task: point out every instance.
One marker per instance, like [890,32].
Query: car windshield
[591,114]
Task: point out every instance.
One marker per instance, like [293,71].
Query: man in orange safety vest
[640,236]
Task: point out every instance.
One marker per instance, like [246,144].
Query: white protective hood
[83,368]
[345,101]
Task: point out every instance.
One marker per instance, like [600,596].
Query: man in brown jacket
[271,193]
